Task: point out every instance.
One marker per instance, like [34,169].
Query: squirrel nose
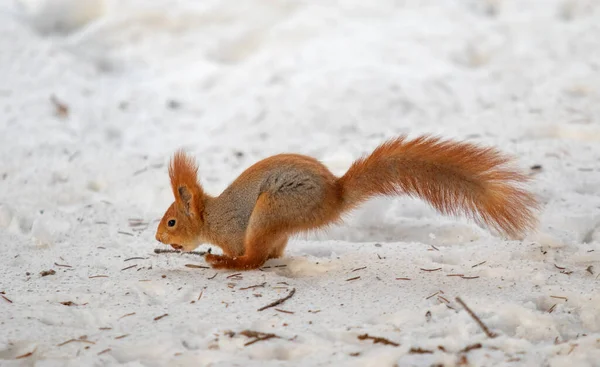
[158,236]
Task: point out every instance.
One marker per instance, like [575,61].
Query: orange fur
[289,193]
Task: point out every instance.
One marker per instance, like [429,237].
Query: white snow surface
[95,96]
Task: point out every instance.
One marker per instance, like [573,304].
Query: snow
[83,179]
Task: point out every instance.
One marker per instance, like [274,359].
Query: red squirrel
[290,193]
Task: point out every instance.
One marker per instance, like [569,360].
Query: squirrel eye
[171,223]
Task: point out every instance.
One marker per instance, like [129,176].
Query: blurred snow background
[96,95]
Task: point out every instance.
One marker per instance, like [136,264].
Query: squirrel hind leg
[266,238]
[279,248]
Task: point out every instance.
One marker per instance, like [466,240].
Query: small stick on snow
[135,258]
[475,277]
[433,295]
[104,351]
[403,279]
[122,336]
[129,267]
[377,339]
[559,267]
[444,299]
[560,297]
[213,277]
[196,266]
[75,340]
[469,348]
[420,351]
[357,269]
[481,263]
[476,318]
[254,286]
[129,314]
[436,269]
[455,275]
[63,266]
[279,301]
[258,335]
[8,300]
[284,311]
[552,308]
[167,251]
[98,276]
[160,317]
[26,354]
[200,295]
[234,275]
[125,233]
[355,278]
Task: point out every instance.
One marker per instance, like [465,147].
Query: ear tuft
[183,172]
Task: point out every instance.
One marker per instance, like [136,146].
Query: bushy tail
[456,178]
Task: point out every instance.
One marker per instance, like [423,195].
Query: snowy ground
[95,96]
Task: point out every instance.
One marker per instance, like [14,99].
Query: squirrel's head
[182,224]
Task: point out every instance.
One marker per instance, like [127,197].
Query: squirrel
[289,193]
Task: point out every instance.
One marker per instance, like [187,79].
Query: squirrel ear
[186,198]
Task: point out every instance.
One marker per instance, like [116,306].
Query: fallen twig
[435,294]
[355,278]
[135,258]
[47,272]
[357,269]
[160,317]
[29,354]
[75,340]
[122,336]
[469,348]
[196,266]
[476,318]
[6,298]
[444,299]
[560,297]
[213,277]
[257,335]
[420,351]
[481,263]
[98,276]
[254,286]
[125,233]
[234,275]
[168,251]
[403,279]
[475,277]
[104,351]
[377,339]
[436,269]
[63,265]
[129,267]
[284,311]
[279,301]
[129,314]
